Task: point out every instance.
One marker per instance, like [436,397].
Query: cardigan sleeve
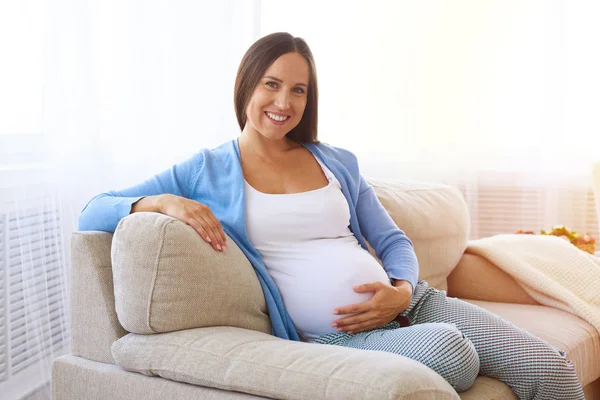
[392,246]
[104,211]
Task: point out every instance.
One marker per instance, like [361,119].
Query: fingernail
[336,312]
[208,239]
[334,325]
[224,247]
[218,246]
[339,329]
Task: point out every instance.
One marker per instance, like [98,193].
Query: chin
[274,135]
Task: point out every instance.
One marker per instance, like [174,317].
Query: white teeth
[277,117]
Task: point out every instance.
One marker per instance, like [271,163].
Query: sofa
[157,314]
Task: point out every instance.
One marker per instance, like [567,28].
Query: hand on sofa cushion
[166,278]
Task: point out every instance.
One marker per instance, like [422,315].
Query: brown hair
[255,62]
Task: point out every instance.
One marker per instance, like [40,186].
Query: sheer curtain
[96,95]
[497,98]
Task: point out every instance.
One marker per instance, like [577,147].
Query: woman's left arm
[391,245]
[399,260]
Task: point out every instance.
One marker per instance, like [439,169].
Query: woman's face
[279,99]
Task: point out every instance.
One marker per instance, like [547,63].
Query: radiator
[33,296]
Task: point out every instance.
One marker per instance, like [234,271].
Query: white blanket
[550,269]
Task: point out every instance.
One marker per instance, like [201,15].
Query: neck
[253,142]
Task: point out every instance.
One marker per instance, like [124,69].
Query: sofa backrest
[436,219]
[433,216]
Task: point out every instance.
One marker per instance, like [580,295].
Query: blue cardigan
[214,178]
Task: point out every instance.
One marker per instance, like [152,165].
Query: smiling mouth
[276,117]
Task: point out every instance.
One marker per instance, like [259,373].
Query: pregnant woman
[301,212]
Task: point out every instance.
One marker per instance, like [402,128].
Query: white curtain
[497,97]
[96,95]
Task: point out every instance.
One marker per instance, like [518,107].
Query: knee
[558,378]
[454,357]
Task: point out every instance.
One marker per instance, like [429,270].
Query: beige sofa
[176,354]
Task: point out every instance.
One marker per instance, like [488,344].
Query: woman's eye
[299,90]
[272,84]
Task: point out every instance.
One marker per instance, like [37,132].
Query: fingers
[214,232]
[368,287]
[348,323]
[217,226]
[198,227]
[218,234]
[354,308]
[209,229]
[198,216]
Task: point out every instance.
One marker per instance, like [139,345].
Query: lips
[276,116]
[277,119]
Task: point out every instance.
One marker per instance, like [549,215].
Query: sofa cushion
[435,217]
[486,388]
[167,278]
[256,363]
[77,378]
[563,330]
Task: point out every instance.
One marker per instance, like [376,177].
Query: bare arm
[148,204]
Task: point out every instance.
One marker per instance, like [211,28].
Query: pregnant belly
[313,285]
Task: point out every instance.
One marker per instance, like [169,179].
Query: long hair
[255,62]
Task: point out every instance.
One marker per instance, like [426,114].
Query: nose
[282,100]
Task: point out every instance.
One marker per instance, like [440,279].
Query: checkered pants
[459,340]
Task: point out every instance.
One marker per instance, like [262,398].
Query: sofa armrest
[257,363]
[476,278]
[94,323]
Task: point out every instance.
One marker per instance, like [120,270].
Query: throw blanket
[553,271]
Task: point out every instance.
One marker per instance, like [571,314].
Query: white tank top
[311,254]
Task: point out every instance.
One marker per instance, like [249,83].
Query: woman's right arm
[167,193]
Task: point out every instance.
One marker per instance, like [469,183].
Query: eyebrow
[280,81]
